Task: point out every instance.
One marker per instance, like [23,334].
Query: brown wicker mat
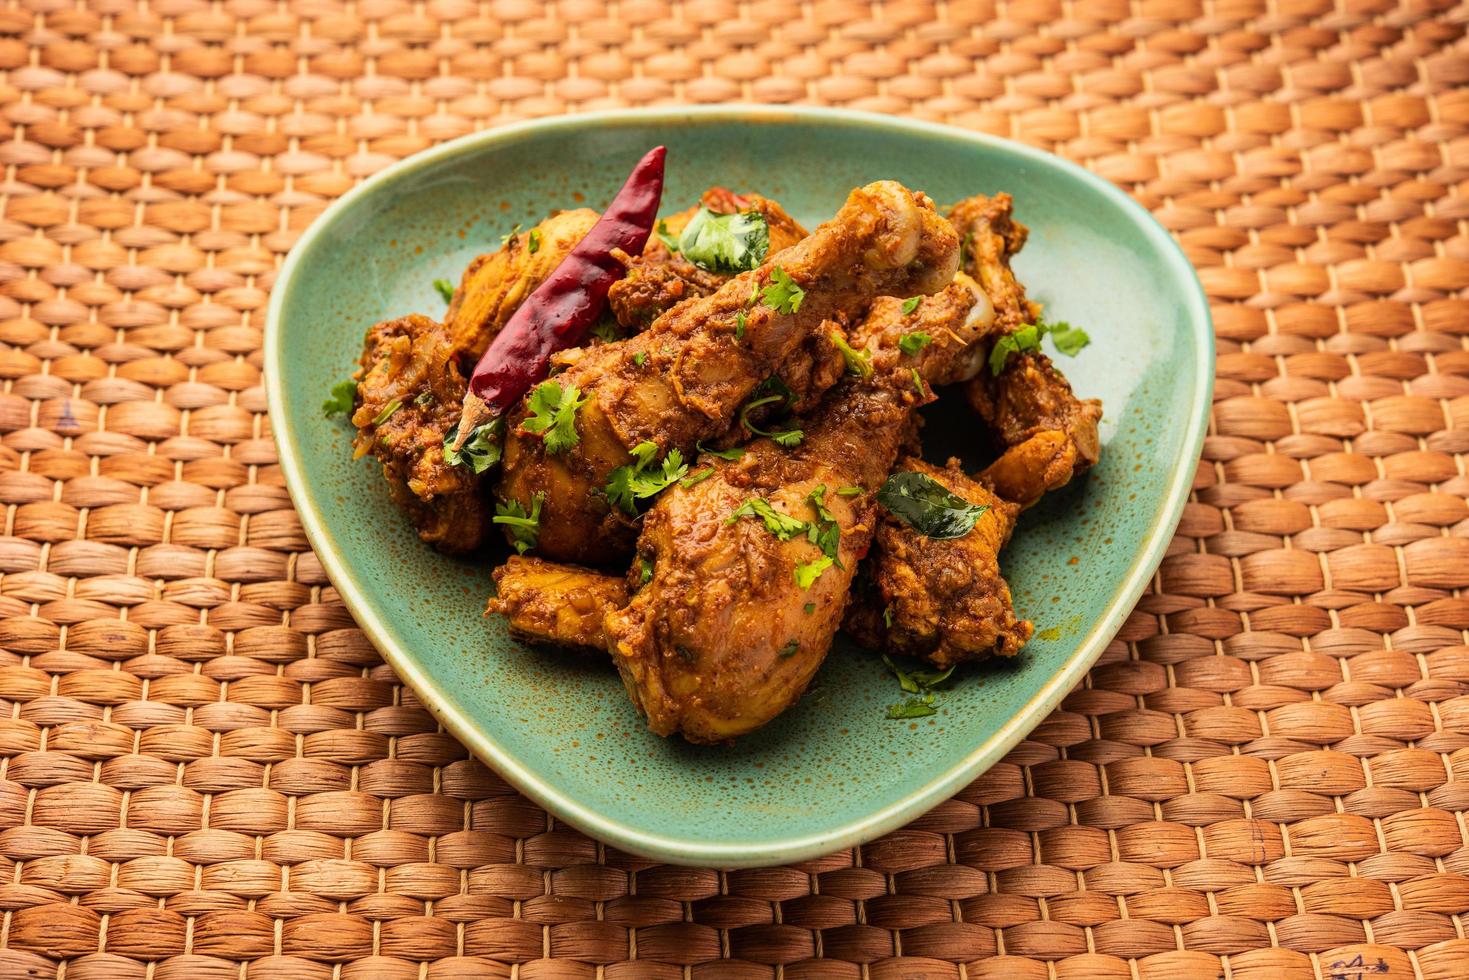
[208,773]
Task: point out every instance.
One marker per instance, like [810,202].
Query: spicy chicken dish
[699,437]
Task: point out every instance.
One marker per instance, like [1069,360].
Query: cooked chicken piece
[942,599]
[494,284]
[1046,434]
[561,604]
[945,599]
[685,379]
[658,280]
[742,604]
[408,396]
[991,236]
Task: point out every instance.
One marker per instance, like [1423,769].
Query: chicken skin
[752,564]
[660,279]
[496,283]
[685,378]
[408,397]
[559,604]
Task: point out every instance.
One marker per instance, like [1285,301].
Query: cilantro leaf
[740,325]
[732,453]
[1069,340]
[859,362]
[725,242]
[917,682]
[480,451]
[912,343]
[445,288]
[912,708]
[525,528]
[910,304]
[790,649]
[389,410]
[784,438]
[341,400]
[554,414]
[928,506]
[645,571]
[640,358]
[780,524]
[808,572]
[782,295]
[666,236]
[533,241]
[607,330]
[698,476]
[629,484]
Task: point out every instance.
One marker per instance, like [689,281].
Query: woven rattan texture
[209,773]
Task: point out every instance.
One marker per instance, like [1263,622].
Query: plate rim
[527,780]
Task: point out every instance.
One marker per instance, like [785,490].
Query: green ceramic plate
[832,771]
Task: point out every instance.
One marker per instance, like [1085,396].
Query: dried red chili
[565,307]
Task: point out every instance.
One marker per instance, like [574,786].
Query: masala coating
[408,396]
[547,602]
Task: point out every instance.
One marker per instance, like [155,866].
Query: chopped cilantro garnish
[849,491]
[790,649]
[782,295]
[740,325]
[928,506]
[698,476]
[423,399]
[666,237]
[912,708]
[341,400]
[917,682]
[809,608]
[629,484]
[782,525]
[910,304]
[918,383]
[732,453]
[808,572]
[859,362]
[640,358]
[912,343]
[606,330]
[445,288]
[480,451]
[725,242]
[388,410]
[533,241]
[645,570]
[524,528]
[1069,340]
[784,438]
[554,414]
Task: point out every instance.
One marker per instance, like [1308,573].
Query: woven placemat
[208,772]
